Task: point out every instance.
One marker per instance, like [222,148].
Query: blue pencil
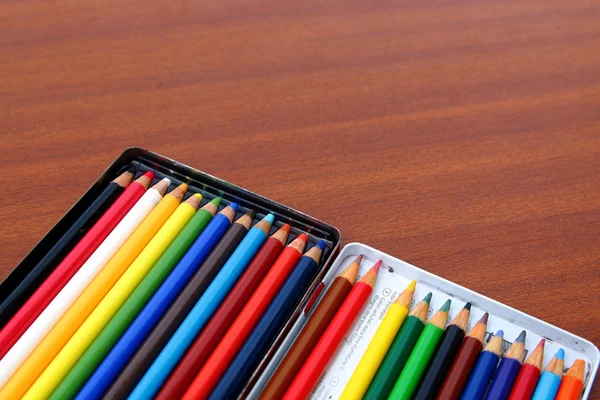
[547,387]
[507,371]
[110,367]
[239,371]
[203,310]
[484,369]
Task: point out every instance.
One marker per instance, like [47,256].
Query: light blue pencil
[547,387]
[202,311]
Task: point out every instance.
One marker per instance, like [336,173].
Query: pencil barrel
[547,387]
[504,379]
[460,371]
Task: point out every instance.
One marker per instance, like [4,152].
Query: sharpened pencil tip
[541,343]
[358,259]
[234,206]
[500,333]
[467,306]
[484,318]
[521,338]
[321,245]
[560,354]
[285,228]
[377,265]
[149,175]
[216,201]
[270,218]
[427,299]
[446,305]
[303,237]
[412,285]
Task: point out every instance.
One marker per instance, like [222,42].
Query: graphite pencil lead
[124,179]
[162,186]
[194,200]
[405,298]
[282,234]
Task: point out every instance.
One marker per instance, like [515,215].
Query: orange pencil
[572,383]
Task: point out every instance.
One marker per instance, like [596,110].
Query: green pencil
[94,355]
[420,356]
[389,370]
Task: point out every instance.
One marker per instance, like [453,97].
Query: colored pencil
[54,283]
[529,374]
[82,307]
[547,388]
[311,332]
[507,371]
[38,330]
[116,296]
[177,312]
[210,249]
[463,364]
[379,345]
[267,328]
[572,383]
[484,369]
[421,355]
[195,357]
[397,355]
[102,344]
[202,311]
[24,286]
[240,329]
[325,348]
[442,360]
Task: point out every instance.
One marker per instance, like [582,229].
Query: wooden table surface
[461,136]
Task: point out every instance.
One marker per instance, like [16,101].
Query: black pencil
[444,356]
[26,285]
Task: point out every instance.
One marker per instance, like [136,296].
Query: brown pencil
[310,334]
[464,362]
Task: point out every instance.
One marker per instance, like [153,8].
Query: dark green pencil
[94,355]
[389,370]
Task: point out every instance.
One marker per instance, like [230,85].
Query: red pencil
[64,271]
[326,347]
[529,375]
[188,367]
[238,332]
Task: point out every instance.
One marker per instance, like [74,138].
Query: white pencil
[79,282]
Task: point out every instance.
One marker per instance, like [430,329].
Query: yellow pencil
[381,342]
[37,361]
[93,325]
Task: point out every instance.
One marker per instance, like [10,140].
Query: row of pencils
[156,290]
[409,358]
[163,297]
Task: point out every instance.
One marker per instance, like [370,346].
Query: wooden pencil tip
[446,306]
[216,201]
[467,306]
[375,268]
[371,275]
[484,318]
[560,354]
[234,207]
[359,259]
[145,179]
[149,175]
[541,343]
[412,285]
[125,178]
[282,234]
[350,272]
[162,186]
[179,191]
[194,200]
[285,228]
[577,370]
[427,298]
[303,237]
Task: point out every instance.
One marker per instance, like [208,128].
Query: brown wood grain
[461,136]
